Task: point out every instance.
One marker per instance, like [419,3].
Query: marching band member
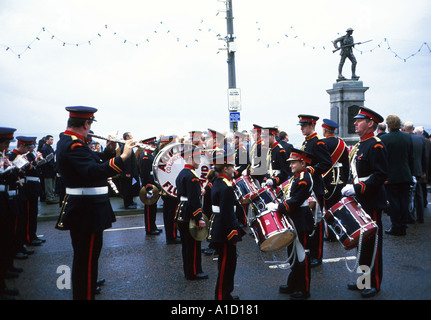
[8,212]
[170,203]
[146,172]
[336,177]
[369,168]
[225,231]
[258,156]
[295,206]
[21,221]
[241,164]
[189,193]
[278,171]
[87,210]
[321,163]
[33,191]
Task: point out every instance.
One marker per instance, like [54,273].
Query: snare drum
[244,189]
[262,197]
[348,220]
[272,231]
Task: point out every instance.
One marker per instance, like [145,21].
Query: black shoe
[199,276]
[100,282]
[11,291]
[395,232]
[299,295]
[11,275]
[26,251]
[352,286]
[284,288]
[153,233]
[175,241]
[97,290]
[368,293]
[208,251]
[16,269]
[35,242]
[21,256]
[315,262]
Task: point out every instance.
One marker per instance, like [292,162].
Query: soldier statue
[346,51]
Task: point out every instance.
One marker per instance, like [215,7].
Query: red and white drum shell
[244,189]
[272,231]
[262,197]
[348,220]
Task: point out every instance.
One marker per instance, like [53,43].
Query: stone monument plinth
[345,99]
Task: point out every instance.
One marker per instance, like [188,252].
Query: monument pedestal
[345,99]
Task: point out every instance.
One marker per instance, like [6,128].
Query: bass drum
[169,162]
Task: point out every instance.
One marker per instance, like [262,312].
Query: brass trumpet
[139,145]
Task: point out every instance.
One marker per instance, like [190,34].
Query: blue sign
[234,117]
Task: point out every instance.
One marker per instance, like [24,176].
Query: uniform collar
[298,173]
[71,133]
[223,176]
[367,136]
[311,136]
[274,145]
[189,166]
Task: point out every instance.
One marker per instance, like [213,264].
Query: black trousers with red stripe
[169,209]
[316,241]
[86,252]
[191,252]
[368,248]
[300,275]
[227,258]
[150,213]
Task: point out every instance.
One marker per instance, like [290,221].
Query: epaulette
[193,171]
[377,139]
[228,183]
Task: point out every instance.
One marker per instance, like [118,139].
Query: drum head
[168,163]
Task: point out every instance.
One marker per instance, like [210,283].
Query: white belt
[216,209]
[184,199]
[36,179]
[87,191]
[364,178]
[12,192]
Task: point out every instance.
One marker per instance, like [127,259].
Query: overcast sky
[157,68]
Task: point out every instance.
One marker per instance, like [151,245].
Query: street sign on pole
[235,116]
[234,99]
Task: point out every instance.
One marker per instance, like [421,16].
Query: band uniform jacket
[295,204]
[320,163]
[80,167]
[189,187]
[224,224]
[33,186]
[146,168]
[336,177]
[369,159]
[21,177]
[241,160]
[48,169]
[278,167]
[258,156]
